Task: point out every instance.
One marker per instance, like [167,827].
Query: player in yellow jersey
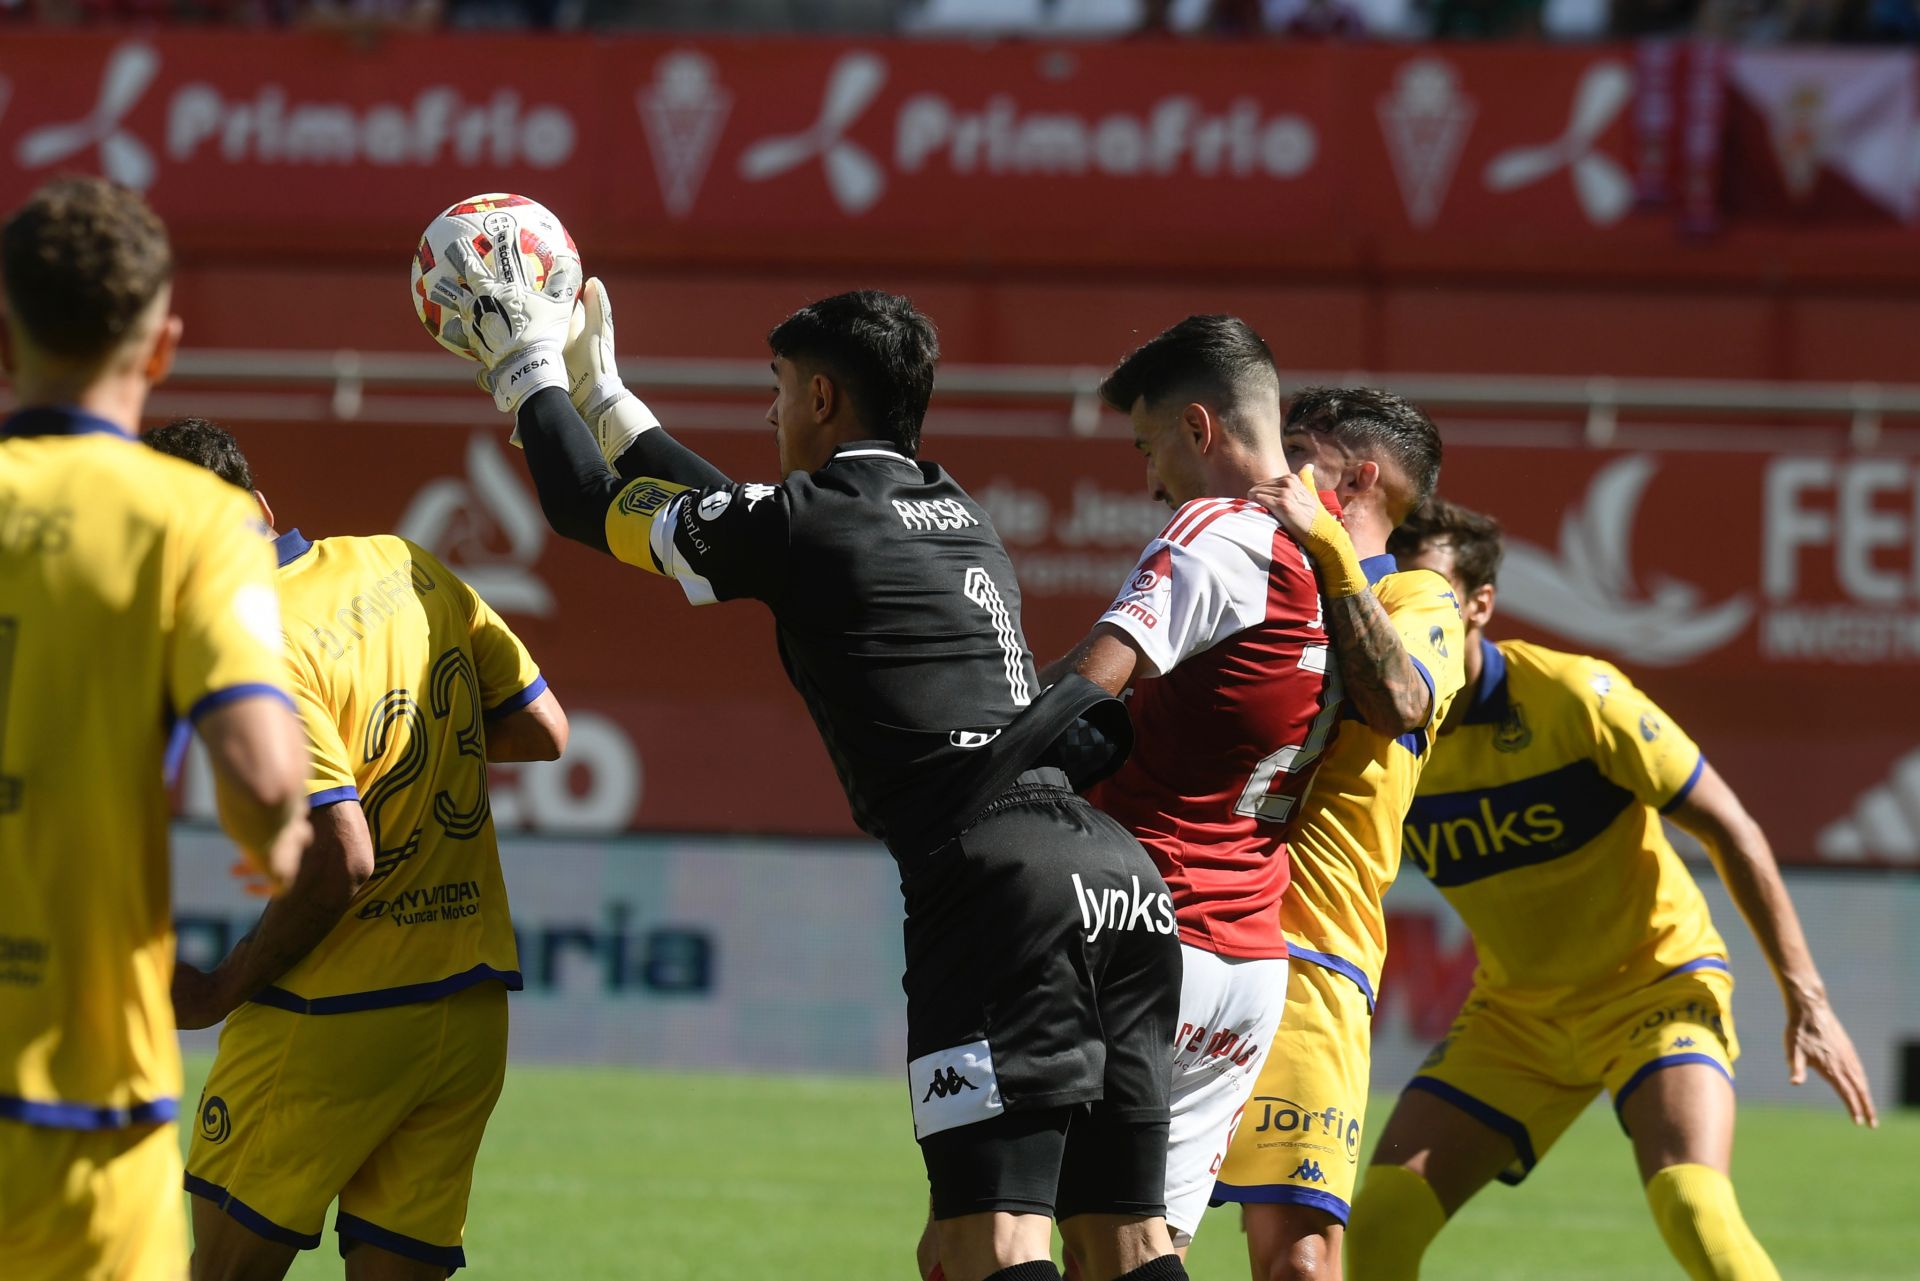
[1539,820]
[1294,1156]
[134,592]
[366,1034]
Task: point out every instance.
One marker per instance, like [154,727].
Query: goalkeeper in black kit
[1036,1035]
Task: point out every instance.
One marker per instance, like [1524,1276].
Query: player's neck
[1368,527]
[118,399]
[1234,472]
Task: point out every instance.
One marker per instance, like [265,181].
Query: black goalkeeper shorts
[1043,978]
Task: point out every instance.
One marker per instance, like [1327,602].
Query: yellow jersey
[1345,844]
[397,666]
[1539,819]
[134,590]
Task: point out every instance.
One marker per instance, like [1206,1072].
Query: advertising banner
[785,957]
[1193,154]
[1770,601]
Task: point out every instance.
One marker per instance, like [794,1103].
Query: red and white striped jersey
[1226,607]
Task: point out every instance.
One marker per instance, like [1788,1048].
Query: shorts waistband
[1041,783]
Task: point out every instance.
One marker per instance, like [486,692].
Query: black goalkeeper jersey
[898,620]
[896,611]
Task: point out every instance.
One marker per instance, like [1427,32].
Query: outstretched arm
[1746,864]
[1380,678]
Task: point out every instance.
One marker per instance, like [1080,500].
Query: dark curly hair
[83,259]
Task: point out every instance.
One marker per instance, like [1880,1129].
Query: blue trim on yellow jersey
[291,546]
[232,693]
[1490,703]
[60,420]
[1686,788]
[333,796]
[1461,837]
[1338,964]
[1488,1115]
[1378,567]
[248,1217]
[1426,676]
[85,1116]
[353,1227]
[1282,1194]
[179,737]
[1414,741]
[518,701]
[1703,963]
[1648,1069]
[407,994]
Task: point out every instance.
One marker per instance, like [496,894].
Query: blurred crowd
[1745,21]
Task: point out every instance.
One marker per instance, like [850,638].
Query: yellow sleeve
[1423,610]
[227,642]
[509,678]
[1638,745]
[330,775]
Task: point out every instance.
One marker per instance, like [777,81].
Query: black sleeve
[574,482]
[654,453]
[730,541]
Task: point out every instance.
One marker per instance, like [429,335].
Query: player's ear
[1477,609]
[166,342]
[1363,476]
[1199,426]
[825,397]
[266,511]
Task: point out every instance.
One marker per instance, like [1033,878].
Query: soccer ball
[516,237]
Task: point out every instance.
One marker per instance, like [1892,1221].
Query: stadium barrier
[785,956]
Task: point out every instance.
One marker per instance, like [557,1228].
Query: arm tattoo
[1381,681]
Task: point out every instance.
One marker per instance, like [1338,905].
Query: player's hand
[1292,500]
[1814,1036]
[198,998]
[615,414]
[518,332]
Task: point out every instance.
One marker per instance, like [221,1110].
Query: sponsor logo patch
[954,1087]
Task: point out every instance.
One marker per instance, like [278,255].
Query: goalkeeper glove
[518,333]
[614,414]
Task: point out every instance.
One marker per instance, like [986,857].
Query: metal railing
[313,386]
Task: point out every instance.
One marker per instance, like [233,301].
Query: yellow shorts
[383,1108]
[91,1205]
[1528,1075]
[1299,1138]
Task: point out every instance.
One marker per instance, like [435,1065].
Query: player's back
[1226,606]
[397,664]
[1346,840]
[1539,820]
[134,591]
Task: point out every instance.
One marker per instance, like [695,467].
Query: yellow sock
[1395,1218]
[1698,1215]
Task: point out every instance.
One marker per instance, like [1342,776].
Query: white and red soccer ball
[516,237]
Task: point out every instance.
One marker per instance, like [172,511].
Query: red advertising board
[1770,601]
[1209,155]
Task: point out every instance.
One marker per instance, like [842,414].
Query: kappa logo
[755,493]
[1308,1172]
[945,1084]
[1587,590]
[1683,1043]
[853,176]
[124,158]
[683,111]
[464,521]
[1425,121]
[1604,190]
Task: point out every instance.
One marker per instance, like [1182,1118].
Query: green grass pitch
[592,1173]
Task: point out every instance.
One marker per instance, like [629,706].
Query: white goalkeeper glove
[614,414]
[519,333]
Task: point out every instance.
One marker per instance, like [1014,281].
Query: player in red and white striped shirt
[1219,635]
